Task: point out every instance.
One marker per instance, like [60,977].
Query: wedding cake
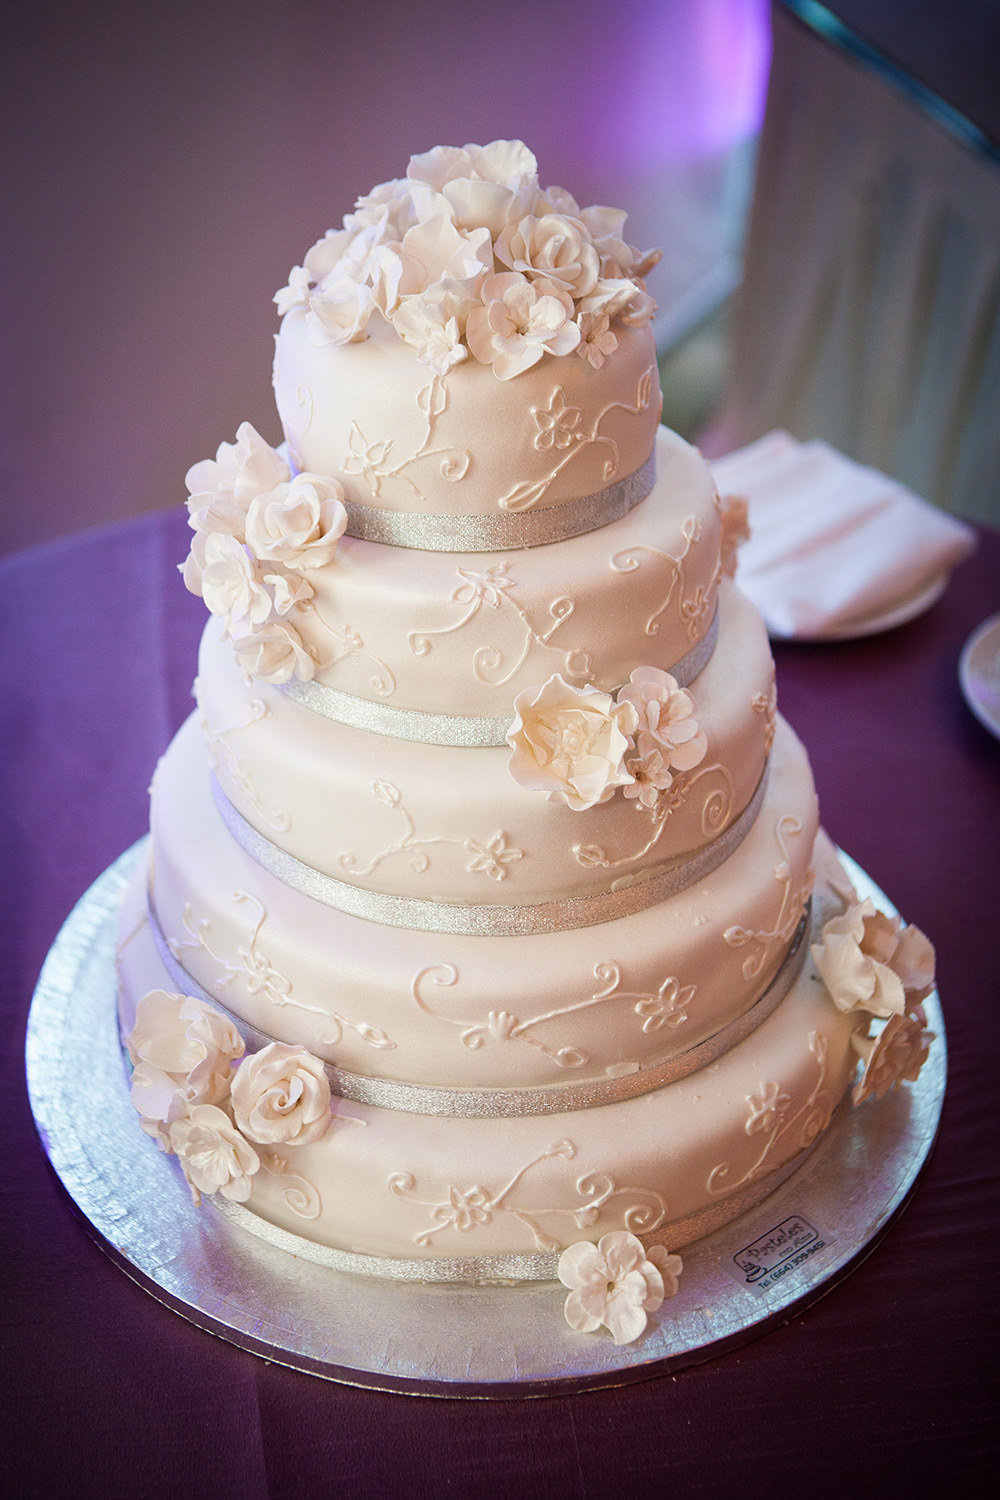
[487,931]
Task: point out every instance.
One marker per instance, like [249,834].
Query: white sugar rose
[554,246]
[871,962]
[570,742]
[222,488]
[518,321]
[275,652]
[339,312]
[616,1283]
[281,1096]
[213,1155]
[182,1053]
[664,718]
[231,585]
[298,524]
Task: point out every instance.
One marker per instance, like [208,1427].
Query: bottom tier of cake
[453,1198]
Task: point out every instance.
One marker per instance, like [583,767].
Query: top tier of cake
[472,346]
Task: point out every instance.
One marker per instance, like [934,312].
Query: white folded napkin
[835,548]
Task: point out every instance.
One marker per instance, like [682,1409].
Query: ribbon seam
[504,531]
[486,921]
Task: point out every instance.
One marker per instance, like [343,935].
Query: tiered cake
[483,884]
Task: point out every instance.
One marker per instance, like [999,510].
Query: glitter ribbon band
[449,729]
[504,1103]
[505,530]
[513,1266]
[486,921]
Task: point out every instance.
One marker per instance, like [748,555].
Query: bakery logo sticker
[761,1265]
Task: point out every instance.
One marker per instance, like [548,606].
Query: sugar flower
[274,652]
[479,185]
[664,718]
[570,742]
[281,1096]
[230,583]
[871,962]
[651,775]
[597,341]
[222,488]
[518,321]
[616,1283]
[894,1056]
[555,246]
[432,323]
[298,524]
[339,312]
[182,1053]
[214,1157]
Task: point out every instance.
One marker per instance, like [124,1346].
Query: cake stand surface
[434,1340]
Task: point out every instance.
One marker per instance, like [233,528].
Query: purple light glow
[696,80]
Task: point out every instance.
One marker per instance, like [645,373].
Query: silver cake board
[477,1342]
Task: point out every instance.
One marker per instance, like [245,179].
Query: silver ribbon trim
[506,530]
[505,1103]
[462,730]
[514,1266]
[463,920]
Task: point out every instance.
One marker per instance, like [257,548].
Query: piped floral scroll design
[377,465]
[463,1210]
[719,794]
[692,604]
[558,425]
[252,968]
[493,588]
[790,906]
[770,1115]
[297,1192]
[490,857]
[222,757]
[346,648]
[667,1006]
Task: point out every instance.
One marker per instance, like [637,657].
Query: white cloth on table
[834,546]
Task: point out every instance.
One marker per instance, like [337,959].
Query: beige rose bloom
[570,742]
[281,1096]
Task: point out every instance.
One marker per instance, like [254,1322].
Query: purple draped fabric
[889,1379]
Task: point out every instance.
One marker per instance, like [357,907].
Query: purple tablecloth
[888,1379]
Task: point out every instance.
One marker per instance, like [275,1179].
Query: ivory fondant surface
[447,823]
[464,633]
[454,1011]
[398,437]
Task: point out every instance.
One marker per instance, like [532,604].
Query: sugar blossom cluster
[207,1104]
[580,744]
[468,255]
[259,531]
[873,965]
